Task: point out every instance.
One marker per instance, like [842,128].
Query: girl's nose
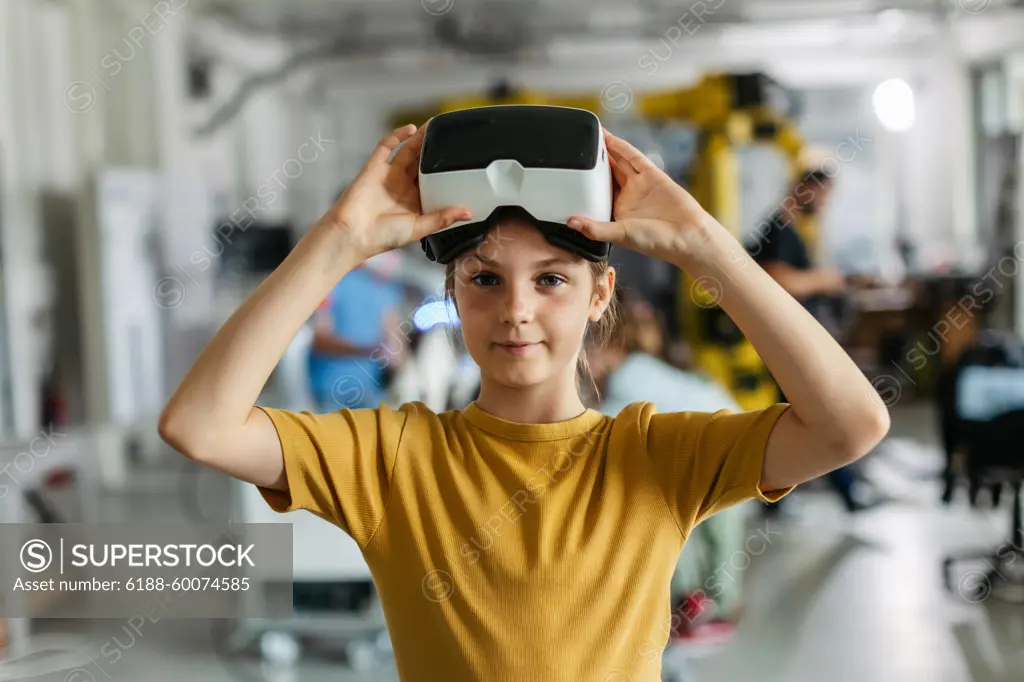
[518,305]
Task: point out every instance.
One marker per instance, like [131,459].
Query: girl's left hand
[651,213]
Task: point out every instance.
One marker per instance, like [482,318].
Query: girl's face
[524,306]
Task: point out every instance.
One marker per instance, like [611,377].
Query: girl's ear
[604,288]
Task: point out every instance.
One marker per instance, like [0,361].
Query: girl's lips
[517,349]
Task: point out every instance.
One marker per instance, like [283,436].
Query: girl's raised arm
[835,415]
[212,417]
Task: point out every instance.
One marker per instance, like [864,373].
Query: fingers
[438,220]
[632,159]
[617,173]
[613,232]
[390,143]
[621,169]
[407,158]
[621,166]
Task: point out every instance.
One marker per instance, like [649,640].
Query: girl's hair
[597,334]
[638,328]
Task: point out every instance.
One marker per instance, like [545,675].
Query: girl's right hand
[381,209]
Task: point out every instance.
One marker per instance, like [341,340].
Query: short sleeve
[709,461]
[339,465]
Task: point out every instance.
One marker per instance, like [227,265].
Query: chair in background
[990,389]
[984,420]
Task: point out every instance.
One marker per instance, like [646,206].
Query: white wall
[928,169]
[1014,69]
[939,160]
[31,37]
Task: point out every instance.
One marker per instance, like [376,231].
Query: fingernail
[575,222]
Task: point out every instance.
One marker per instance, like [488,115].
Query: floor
[841,598]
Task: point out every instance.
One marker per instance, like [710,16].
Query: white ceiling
[536,21]
[378,34]
[570,33]
[411,49]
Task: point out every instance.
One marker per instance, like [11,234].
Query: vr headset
[549,162]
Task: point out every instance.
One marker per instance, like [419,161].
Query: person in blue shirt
[355,340]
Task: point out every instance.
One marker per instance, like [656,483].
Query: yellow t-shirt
[512,552]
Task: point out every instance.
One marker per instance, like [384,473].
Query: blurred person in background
[356,339]
[779,247]
[628,369]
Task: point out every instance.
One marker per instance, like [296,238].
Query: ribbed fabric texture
[513,552]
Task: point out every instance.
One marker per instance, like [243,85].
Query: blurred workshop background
[159,158]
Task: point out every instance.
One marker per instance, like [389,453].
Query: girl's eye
[484,279]
[551,281]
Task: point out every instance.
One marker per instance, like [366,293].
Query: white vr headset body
[549,161]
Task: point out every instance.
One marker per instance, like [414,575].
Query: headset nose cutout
[506,177]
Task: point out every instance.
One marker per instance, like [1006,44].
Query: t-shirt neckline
[510,430]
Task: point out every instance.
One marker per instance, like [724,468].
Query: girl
[525,537]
